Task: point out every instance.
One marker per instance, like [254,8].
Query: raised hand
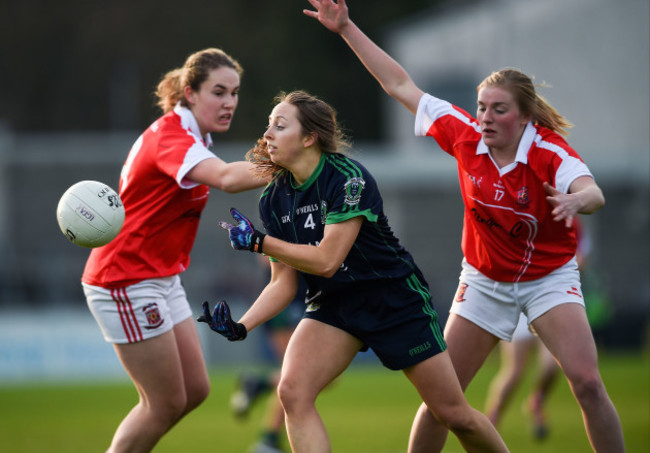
[221,321]
[243,235]
[334,16]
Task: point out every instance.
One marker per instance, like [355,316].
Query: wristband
[257,239]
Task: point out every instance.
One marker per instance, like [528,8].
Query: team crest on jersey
[522,196]
[353,189]
[152,314]
[323,212]
[460,292]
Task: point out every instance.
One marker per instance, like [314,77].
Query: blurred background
[76,89]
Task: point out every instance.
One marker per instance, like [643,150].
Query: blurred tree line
[93,65]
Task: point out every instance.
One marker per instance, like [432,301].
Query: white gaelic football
[90,214]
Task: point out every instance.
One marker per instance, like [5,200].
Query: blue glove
[221,322]
[243,236]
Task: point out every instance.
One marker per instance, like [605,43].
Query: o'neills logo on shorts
[152,314]
[420,349]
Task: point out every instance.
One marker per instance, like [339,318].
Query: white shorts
[144,310]
[496,306]
[522,331]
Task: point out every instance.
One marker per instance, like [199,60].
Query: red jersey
[509,233]
[162,206]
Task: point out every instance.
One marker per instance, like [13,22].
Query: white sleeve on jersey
[194,155]
[430,109]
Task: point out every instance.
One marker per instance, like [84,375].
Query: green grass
[368,410]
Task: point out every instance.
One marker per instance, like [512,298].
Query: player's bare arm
[274,298]
[584,197]
[325,258]
[230,177]
[390,74]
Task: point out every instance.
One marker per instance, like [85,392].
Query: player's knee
[197,394]
[170,409]
[588,389]
[457,418]
[287,394]
[292,395]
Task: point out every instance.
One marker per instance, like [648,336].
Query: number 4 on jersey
[309,223]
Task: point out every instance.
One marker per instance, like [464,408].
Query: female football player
[132,285]
[522,185]
[324,218]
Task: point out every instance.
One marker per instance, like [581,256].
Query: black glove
[243,236]
[221,322]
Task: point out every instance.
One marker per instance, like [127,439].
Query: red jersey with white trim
[162,206]
[508,231]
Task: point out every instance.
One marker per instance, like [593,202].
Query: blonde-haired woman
[132,285]
[522,185]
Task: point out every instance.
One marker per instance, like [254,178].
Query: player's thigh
[317,353]
[154,365]
[188,343]
[566,333]
[468,346]
[437,384]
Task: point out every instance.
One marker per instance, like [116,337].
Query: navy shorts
[393,317]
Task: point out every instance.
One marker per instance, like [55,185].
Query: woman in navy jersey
[132,285]
[522,185]
[324,218]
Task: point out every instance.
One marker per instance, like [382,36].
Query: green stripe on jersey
[344,165]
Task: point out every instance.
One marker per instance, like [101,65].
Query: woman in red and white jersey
[522,185]
[132,285]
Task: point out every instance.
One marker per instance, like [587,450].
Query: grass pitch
[368,410]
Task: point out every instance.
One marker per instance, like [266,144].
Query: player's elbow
[327,269]
[601,200]
[599,204]
[231,184]
[228,186]
[595,201]
[329,273]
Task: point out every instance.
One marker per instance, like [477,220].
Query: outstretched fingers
[561,211]
[226,225]
[333,15]
[238,216]
[222,313]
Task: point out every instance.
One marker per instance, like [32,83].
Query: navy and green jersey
[338,190]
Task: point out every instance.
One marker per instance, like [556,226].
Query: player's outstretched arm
[390,74]
[231,177]
[323,260]
[274,298]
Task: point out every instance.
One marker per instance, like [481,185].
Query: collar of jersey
[305,185]
[525,143]
[188,122]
